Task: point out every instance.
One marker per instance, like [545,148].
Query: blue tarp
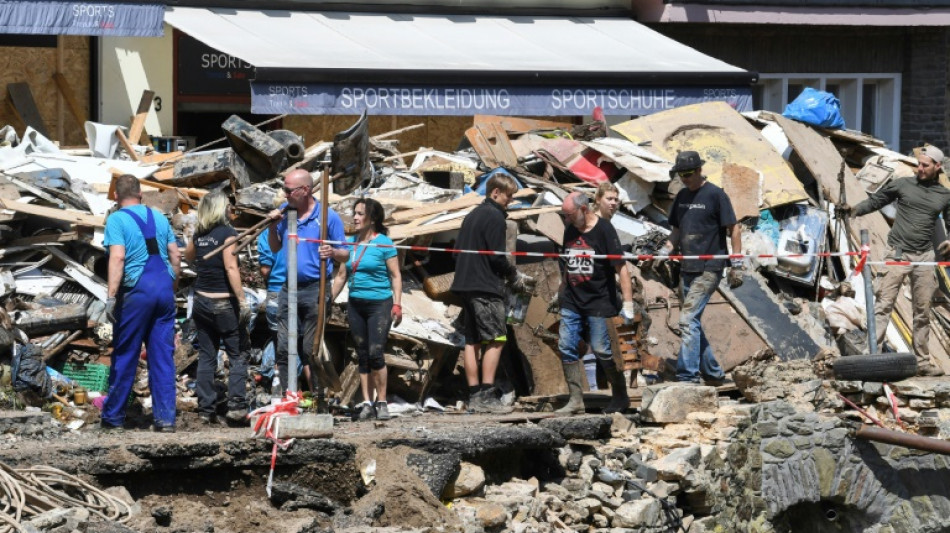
[271,98]
[81,18]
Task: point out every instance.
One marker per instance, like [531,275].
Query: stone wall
[924,111]
[799,472]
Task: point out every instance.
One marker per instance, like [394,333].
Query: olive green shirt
[918,206]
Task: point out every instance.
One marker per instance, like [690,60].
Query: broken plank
[66,215]
[521,125]
[138,122]
[124,141]
[67,91]
[397,232]
[468,200]
[82,275]
[156,158]
[492,144]
[44,239]
[24,106]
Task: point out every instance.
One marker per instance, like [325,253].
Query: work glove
[244,315]
[110,309]
[628,313]
[397,315]
[735,273]
[944,248]
[843,211]
[521,283]
[555,305]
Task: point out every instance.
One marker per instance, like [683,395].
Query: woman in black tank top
[219,311]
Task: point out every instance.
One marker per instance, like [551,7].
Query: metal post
[291,246]
[869,298]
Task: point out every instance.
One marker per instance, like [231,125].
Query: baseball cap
[933,153]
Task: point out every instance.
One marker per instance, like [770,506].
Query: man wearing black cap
[702,218]
[920,200]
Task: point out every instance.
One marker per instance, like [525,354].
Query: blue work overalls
[144,313]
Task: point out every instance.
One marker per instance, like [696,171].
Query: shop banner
[81,18]
[268,98]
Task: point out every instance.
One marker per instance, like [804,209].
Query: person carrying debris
[920,200]
[220,310]
[588,298]
[298,187]
[144,263]
[480,282]
[375,285]
[702,218]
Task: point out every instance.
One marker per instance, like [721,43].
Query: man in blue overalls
[144,263]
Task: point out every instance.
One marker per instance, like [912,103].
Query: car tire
[877,367]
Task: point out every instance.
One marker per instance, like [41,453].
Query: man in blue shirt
[144,263]
[298,187]
[274,270]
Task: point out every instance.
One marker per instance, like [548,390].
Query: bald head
[299,177]
[298,187]
[577,200]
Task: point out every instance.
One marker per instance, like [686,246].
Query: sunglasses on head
[686,173]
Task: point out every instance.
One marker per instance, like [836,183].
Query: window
[869,102]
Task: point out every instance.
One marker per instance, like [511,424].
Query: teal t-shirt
[371,279]
[122,230]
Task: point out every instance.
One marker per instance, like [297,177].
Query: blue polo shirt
[277,262]
[308,253]
[122,230]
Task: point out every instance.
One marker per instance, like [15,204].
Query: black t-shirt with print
[590,285]
[210,273]
[702,216]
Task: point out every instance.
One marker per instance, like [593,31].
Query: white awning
[295,47]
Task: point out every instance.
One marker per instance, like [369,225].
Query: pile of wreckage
[781,175]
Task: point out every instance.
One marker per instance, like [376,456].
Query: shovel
[349,161]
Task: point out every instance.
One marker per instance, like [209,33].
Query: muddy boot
[619,400]
[574,375]
[926,368]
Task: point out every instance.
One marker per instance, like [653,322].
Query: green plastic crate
[92,376]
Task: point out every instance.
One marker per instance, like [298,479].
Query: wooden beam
[138,122]
[21,97]
[468,200]
[124,141]
[66,215]
[75,109]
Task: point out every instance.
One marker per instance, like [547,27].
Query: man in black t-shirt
[588,298]
[702,217]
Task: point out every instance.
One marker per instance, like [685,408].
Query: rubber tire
[878,367]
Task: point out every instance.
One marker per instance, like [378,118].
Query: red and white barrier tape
[268,425]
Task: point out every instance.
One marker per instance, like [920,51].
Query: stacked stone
[924,402]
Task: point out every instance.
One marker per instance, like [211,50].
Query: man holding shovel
[298,187]
[920,200]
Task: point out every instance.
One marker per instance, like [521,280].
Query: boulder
[637,514]
[673,402]
[470,479]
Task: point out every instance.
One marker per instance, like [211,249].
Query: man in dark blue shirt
[702,218]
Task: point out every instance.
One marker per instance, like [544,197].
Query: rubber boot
[574,375]
[619,400]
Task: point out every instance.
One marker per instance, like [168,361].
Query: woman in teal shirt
[375,285]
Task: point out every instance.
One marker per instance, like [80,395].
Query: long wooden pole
[316,352]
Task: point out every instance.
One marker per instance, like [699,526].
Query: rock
[579,427]
[437,470]
[678,464]
[639,513]
[573,484]
[703,418]
[557,491]
[290,497]
[511,494]
[599,521]
[66,518]
[470,479]
[913,388]
[491,516]
[672,403]
[574,461]
[162,516]
[601,487]
[586,473]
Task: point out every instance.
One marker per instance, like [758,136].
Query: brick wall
[925,115]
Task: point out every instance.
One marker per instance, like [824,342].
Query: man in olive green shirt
[920,201]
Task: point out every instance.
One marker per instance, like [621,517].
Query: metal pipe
[292,340]
[869,297]
[906,440]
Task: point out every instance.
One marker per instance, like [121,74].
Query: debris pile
[782,177]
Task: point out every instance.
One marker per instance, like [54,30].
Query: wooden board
[468,200]
[66,215]
[138,121]
[519,125]
[742,185]
[491,143]
[823,161]
[398,232]
[721,135]
[24,105]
